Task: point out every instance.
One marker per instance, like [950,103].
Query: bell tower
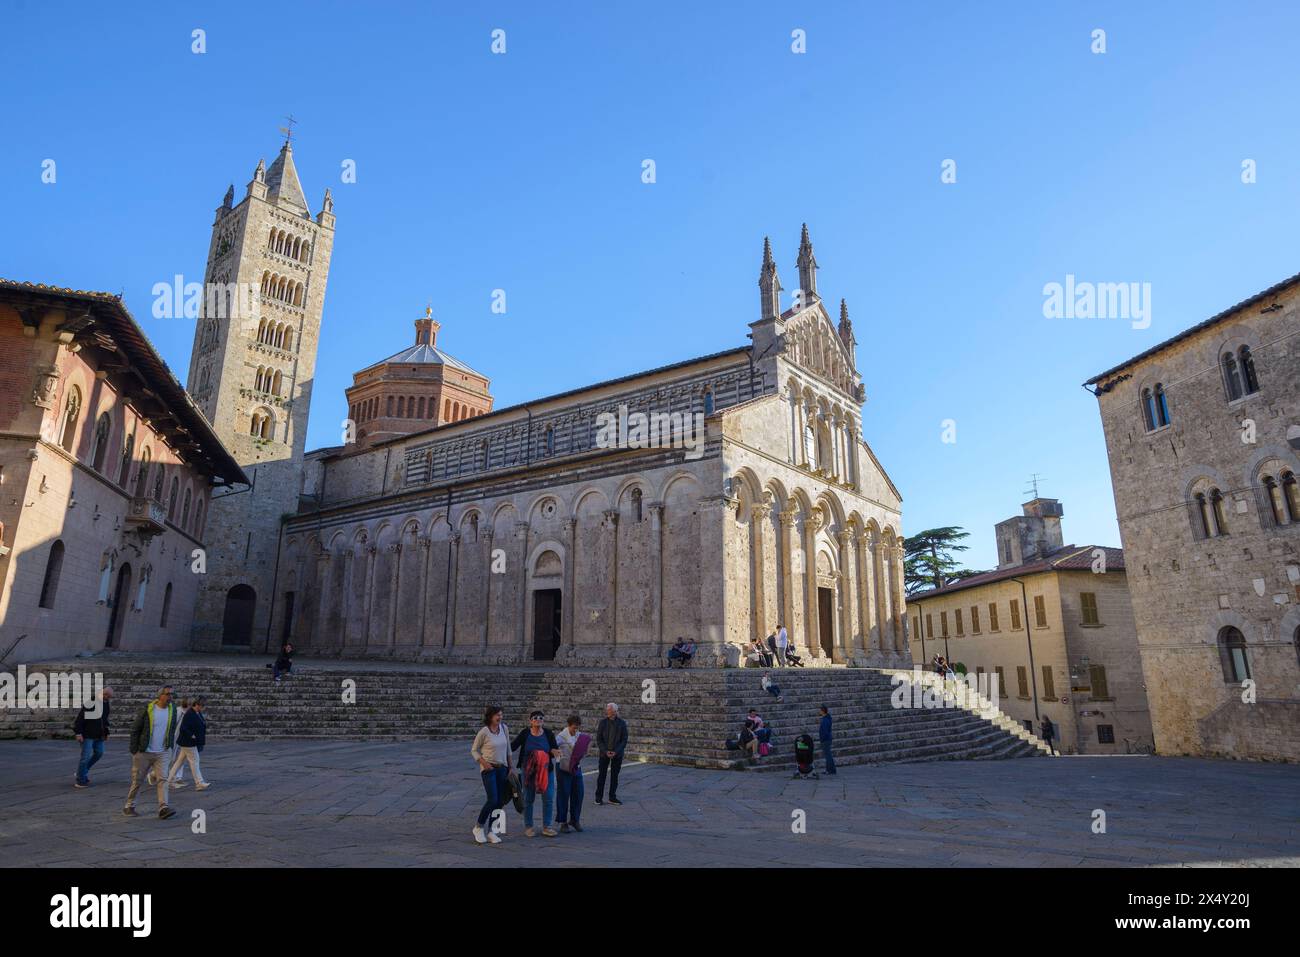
[251,373]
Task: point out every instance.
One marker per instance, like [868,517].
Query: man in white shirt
[152,737]
[782,642]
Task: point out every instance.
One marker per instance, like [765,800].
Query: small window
[929,625]
[975,618]
[99,455]
[1162,406]
[1231,378]
[993,616]
[957,621]
[1049,686]
[1022,681]
[1100,690]
[1002,682]
[167,606]
[1088,603]
[1015,614]
[1232,655]
[1040,611]
[1105,734]
[1249,382]
[943,623]
[636,505]
[171,499]
[53,568]
[1148,410]
[71,413]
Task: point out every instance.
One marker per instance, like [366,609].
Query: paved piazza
[412,804]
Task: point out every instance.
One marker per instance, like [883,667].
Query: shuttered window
[1088,602]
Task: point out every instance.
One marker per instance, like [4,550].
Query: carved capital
[845,535]
[394,548]
[424,541]
[611,516]
[760,513]
[788,519]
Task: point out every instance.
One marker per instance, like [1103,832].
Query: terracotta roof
[1066,558]
[421,353]
[115,321]
[1268,293]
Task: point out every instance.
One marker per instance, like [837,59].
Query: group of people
[755,737]
[549,765]
[776,649]
[681,653]
[164,738]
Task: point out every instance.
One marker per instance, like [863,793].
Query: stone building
[1053,628]
[251,372]
[419,387]
[1203,433]
[106,469]
[713,499]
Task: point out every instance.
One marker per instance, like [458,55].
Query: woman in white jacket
[491,749]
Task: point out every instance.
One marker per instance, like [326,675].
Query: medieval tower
[251,373]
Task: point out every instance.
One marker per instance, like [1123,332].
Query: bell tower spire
[769,286]
[807,268]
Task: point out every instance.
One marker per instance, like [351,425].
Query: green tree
[929,558]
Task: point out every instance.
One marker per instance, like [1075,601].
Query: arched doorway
[237,624]
[548,594]
[117,617]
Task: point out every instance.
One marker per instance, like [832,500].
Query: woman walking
[573,745]
[538,751]
[491,749]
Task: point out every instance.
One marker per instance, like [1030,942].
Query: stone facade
[417,388]
[1203,433]
[1073,614]
[530,533]
[251,372]
[106,471]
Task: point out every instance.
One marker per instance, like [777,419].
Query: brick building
[1203,434]
[106,470]
[1053,626]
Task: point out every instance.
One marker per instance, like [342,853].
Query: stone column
[845,644]
[887,565]
[877,591]
[489,535]
[900,612]
[368,599]
[657,574]
[758,514]
[861,568]
[812,626]
[713,591]
[395,582]
[521,535]
[794,425]
[454,586]
[320,626]
[426,552]
[611,522]
[787,561]
[836,443]
[569,603]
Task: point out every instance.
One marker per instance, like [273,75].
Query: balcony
[147,517]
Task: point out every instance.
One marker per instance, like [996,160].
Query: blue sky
[523,172]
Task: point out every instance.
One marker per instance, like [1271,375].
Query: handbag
[516,791]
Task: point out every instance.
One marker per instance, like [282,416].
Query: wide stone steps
[676,717]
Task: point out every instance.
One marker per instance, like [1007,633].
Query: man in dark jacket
[91,735]
[1049,733]
[152,737]
[611,742]
[824,736]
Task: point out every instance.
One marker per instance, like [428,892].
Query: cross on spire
[288,130]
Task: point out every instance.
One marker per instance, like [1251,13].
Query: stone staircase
[679,717]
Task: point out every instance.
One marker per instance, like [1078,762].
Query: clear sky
[522,172]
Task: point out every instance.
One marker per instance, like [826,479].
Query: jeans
[496,785]
[826,756]
[548,802]
[780,656]
[571,789]
[91,751]
[610,765]
[774,691]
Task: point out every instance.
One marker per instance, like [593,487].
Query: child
[191,735]
[770,688]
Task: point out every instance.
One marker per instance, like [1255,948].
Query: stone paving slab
[340,804]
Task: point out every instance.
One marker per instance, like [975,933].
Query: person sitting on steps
[683,651]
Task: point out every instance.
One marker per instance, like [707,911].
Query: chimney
[1031,536]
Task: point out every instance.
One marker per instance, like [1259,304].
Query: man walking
[91,735]
[152,737]
[782,642]
[611,742]
[1049,732]
[824,735]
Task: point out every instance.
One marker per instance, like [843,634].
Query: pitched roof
[282,180]
[1067,558]
[195,440]
[1268,293]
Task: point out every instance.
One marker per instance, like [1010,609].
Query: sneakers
[492,838]
[165,812]
[130,812]
[178,785]
[529,832]
[479,836]
[549,832]
[564,828]
[599,801]
[615,800]
[203,787]
[80,784]
[577,827]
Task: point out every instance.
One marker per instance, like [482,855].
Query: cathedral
[446,529]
